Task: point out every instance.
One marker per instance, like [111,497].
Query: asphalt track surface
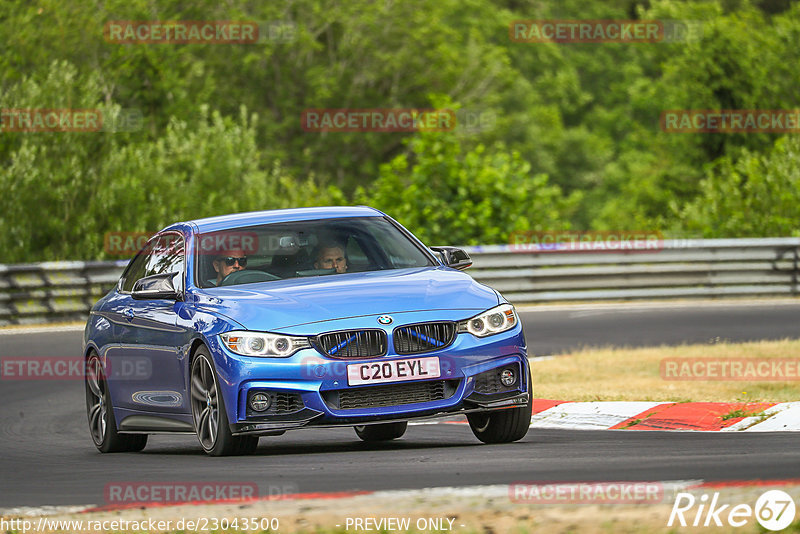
[48,458]
[555,329]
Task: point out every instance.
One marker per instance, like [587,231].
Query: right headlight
[498,319]
[263,344]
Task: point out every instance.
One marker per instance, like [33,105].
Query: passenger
[331,256]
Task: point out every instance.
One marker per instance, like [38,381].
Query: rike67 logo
[774,510]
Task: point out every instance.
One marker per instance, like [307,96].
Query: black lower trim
[274,429]
[153,423]
[276,422]
[514,398]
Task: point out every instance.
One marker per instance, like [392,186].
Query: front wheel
[102,426]
[208,412]
[503,426]
[381,432]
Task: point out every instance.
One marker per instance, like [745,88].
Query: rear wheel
[381,432]
[102,426]
[502,426]
[208,412]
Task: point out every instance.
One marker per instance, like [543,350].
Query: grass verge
[635,375]
[476,510]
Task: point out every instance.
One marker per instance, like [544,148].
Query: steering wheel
[247,277]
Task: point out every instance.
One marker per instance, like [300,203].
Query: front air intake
[352,343]
[423,337]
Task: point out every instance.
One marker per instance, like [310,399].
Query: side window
[161,255]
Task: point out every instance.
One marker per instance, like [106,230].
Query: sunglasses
[231,260]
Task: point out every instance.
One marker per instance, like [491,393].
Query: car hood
[283,304]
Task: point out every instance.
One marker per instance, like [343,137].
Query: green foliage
[66,190]
[452,196]
[750,195]
[576,142]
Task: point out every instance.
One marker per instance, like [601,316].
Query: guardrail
[54,291]
[64,291]
[678,268]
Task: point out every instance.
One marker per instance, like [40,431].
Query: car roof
[253,218]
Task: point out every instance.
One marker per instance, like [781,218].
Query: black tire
[503,426]
[381,432]
[100,412]
[208,411]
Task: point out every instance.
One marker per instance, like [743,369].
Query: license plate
[392,371]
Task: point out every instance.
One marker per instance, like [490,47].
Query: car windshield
[303,249]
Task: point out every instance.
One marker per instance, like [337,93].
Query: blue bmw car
[252,324]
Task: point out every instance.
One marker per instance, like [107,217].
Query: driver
[228,261]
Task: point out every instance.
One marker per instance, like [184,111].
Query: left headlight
[263,344]
[494,321]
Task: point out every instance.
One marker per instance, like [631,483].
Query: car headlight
[263,344]
[494,321]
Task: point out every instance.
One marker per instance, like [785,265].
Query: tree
[447,195]
[65,191]
[749,195]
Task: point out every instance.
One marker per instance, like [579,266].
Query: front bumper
[306,419]
[311,390]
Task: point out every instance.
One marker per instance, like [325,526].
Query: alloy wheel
[98,413]
[205,404]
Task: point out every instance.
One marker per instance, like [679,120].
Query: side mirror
[454,257]
[157,286]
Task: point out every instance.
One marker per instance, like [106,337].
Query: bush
[447,196]
[752,195]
